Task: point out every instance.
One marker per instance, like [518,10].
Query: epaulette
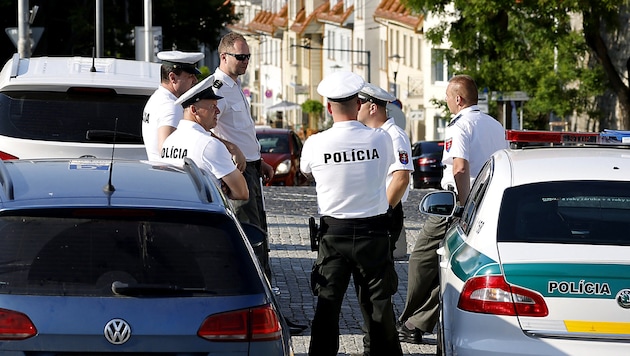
[217,84]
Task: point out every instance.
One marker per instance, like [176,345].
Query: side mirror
[440,203]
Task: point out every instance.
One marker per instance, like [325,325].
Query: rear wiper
[107,136]
[140,289]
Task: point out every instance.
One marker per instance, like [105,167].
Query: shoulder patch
[403,157]
[448,144]
[217,84]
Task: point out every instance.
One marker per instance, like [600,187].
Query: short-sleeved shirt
[349,162]
[192,141]
[473,136]
[235,123]
[159,111]
[402,152]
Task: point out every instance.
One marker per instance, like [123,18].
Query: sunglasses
[363,100]
[240,57]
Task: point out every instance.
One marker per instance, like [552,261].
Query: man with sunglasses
[160,116]
[192,139]
[236,125]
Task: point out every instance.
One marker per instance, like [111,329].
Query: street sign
[510,96]
[36,34]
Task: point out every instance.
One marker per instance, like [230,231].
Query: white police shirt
[235,123]
[193,141]
[402,152]
[473,136]
[349,162]
[159,111]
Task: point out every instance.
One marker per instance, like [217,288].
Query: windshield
[85,117]
[270,143]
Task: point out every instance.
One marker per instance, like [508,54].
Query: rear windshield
[582,212]
[73,254]
[86,117]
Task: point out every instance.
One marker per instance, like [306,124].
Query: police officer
[161,116]
[192,139]
[349,163]
[471,138]
[237,126]
[373,114]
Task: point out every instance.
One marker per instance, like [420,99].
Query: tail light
[257,324]
[15,325]
[5,156]
[425,161]
[493,295]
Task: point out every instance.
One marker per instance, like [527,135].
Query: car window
[79,253]
[85,117]
[271,143]
[574,212]
[477,192]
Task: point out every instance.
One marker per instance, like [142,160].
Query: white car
[68,107]
[537,262]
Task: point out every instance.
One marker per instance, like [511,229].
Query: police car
[102,257]
[537,261]
[70,107]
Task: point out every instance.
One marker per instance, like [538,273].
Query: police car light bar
[524,136]
[563,137]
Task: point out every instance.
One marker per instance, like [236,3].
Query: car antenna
[109,188]
[93,69]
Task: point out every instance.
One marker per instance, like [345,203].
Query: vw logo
[623,298]
[117,331]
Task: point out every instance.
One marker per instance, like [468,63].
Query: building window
[440,71]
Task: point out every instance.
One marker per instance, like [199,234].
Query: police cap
[181,60]
[340,86]
[376,95]
[201,91]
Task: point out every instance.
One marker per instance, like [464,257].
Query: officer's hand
[267,171]
[239,158]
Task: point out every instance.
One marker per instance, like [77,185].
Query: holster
[314,233]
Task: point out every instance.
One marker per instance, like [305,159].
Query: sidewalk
[288,209]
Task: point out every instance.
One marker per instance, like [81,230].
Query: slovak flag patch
[403,157]
[447,144]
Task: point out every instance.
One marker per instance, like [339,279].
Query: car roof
[271,130]
[542,164]
[60,73]
[50,183]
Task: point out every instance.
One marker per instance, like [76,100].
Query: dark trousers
[358,248]
[252,210]
[421,306]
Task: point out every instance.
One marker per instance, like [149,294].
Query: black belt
[372,219]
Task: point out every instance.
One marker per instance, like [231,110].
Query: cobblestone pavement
[288,209]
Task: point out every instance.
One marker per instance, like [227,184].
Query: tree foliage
[69,25]
[533,46]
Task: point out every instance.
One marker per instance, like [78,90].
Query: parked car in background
[69,107]
[427,164]
[538,260]
[281,148]
[102,258]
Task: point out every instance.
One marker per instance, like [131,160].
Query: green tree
[529,45]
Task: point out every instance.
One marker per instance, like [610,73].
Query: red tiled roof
[394,11]
[302,22]
[336,14]
[268,22]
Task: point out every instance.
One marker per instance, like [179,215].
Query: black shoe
[407,335]
[295,329]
